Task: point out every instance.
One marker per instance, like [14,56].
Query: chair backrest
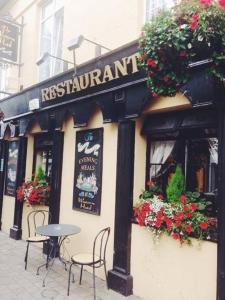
[100,243]
[37,218]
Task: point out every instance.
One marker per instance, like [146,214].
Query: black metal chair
[34,219]
[96,259]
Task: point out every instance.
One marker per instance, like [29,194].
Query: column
[119,277]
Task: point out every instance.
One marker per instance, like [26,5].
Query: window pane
[153,7]
[58,4]
[47,10]
[44,159]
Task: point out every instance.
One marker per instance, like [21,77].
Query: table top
[58,230]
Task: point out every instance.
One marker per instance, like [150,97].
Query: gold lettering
[133,60]
[84,81]
[52,91]
[60,90]
[75,86]
[95,77]
[67,84]
[107,75]
[44,93]
[120,68]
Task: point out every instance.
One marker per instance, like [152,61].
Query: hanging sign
[88,171]
[11,171]
[9,35]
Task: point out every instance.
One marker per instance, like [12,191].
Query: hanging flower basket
[192,31]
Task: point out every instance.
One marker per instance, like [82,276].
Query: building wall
[111,23]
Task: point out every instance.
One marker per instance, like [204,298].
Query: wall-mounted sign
[88,170]
[9,35]
[11,169]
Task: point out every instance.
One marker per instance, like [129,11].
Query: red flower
[150,73]
[194,21]
[159,215]
[160,196]
[177,223]
[154,94]
[146,207]
[179,216]
[189,214]
[149,183]
[206,1]
[194,206]
[168,222]
[203,225]
[186,207]
[166,78]
[183,53]
[183,198]
[188,228]
[222,3]
[175,235]
[151,62]
[158,223]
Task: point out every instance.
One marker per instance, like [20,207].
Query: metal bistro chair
[34,219]
[96,259]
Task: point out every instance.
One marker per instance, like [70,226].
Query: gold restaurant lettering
[92,78]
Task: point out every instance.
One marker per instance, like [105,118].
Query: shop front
[92,133]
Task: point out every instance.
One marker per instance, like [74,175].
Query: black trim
[119,278]
[3,148]
[16,230]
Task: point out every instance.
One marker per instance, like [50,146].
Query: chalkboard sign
[88,171]
[11,170]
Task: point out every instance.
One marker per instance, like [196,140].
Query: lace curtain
[213,149]
[159,153]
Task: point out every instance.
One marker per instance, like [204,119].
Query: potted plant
[34,191]
[191,31]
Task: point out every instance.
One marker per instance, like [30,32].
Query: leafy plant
[176,185]
[193,30]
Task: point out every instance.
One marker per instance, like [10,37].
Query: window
[154,6]
[3,76]
[51,38]
[43,154]
[198,156]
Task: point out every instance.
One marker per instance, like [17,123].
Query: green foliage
[40,174]
[176,186]
[190,32]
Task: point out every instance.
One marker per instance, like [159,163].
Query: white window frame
[165,4]
[56,10]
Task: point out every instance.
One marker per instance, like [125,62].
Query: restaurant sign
[109,72]
[88,171]
[9,34]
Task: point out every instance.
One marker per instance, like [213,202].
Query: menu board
[88,171]
[11,169]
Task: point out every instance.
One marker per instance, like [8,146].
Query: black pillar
[221,207]
[2,172]
[57,158]
[119,277]
[16,231]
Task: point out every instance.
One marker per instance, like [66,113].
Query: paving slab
[18,284]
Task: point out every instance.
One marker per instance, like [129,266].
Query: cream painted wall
[90,224]
[111,23]
[168,271]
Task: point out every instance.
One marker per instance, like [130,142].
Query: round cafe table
[57,233]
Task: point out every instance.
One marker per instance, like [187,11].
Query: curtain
[213,149]
[159,153]
[57,42]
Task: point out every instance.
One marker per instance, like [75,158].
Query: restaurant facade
[92,130]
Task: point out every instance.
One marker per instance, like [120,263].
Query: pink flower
[206,2]
[150,183]
[188,228]
[160,196]
[175,235]
[194,206]
[222,3]
[189,214]
[183,198]
[154,94]
[194,21]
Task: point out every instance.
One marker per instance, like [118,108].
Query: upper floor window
[3,75]
[51,37]
[153,7]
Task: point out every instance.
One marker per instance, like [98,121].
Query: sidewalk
[18,284]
